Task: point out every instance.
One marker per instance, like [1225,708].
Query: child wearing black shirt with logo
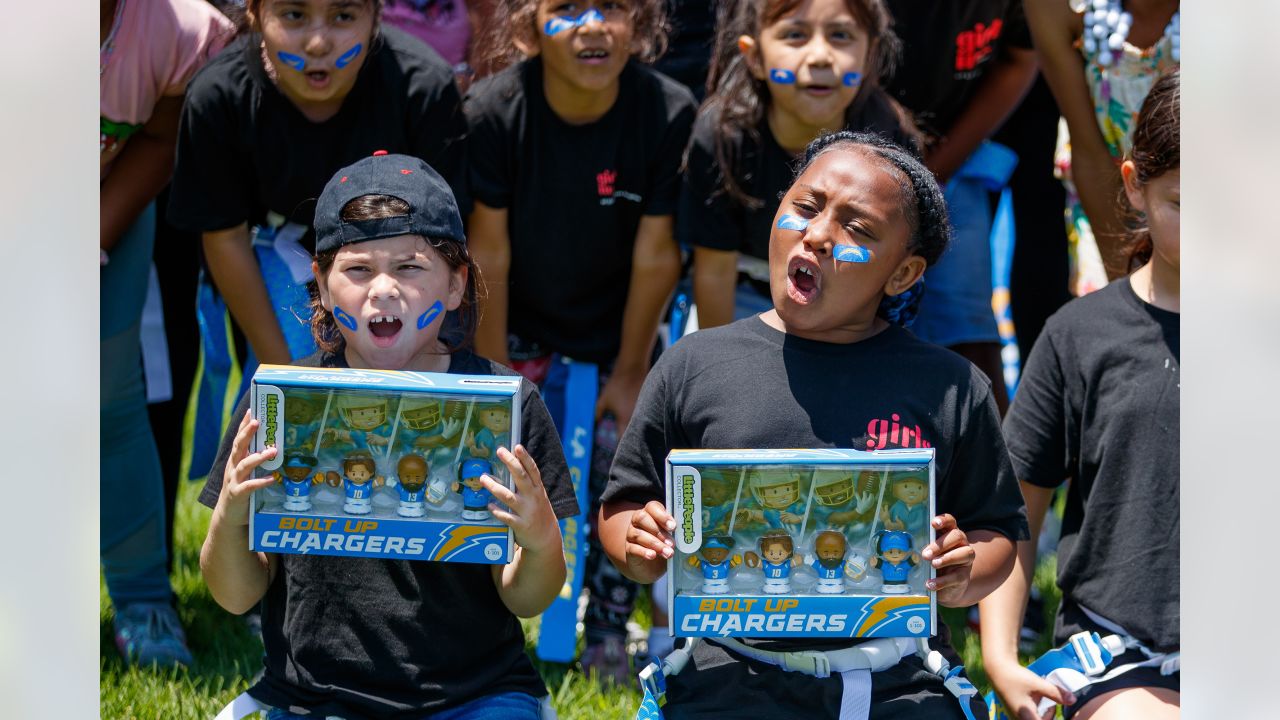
[828,367]
[574,168]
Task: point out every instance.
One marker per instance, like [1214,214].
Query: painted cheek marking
[782,77]
[557,24]
[851,254]
[425,318]
[852,79]
[294,61]
[341,316]
[791,222]
[345,58]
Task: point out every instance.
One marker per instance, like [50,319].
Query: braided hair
[922,200]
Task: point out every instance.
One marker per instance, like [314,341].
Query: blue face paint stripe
[782,77]
[851,254]
[294,61]
[341,316]
[852,79]
[558,24]
[425,318]
[791,222]
[345,58]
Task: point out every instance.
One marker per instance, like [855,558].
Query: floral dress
[1117,92]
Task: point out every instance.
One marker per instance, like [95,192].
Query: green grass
[228,656]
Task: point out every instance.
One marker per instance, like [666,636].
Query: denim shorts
[956,307]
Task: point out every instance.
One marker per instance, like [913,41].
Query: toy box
[382,463]
[801,543]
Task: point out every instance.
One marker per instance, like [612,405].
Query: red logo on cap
[376,153]
[344,179]
[406,171]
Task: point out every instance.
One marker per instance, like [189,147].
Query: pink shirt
[154,48]
[442,24]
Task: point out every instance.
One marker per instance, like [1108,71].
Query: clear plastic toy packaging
[382,463]
[801,543]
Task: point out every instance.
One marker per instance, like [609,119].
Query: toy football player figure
[777,491]
[475,497]
[364,415]
[894,558]
[836,502]
[412,471]
[911,509]
[422,425]
[776,560]
[301,420]
[358,481]
[296,475]
[715,564]
[717,502]
[829,548]
[495,431]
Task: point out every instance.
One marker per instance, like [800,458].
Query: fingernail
[666,552]
[937,562]
[671,524]
[668,542]
[930,584]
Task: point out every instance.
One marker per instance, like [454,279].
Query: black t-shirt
[1098,403]
[689,42]
[748,385]
[245,150]
[709,217]
[575,195]
[946,47]
[367,637]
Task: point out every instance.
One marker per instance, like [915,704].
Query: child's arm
[655,268]
[1000,90]
[715,278]
[140,172]
[968,566]
[1096,176]
[237,576]
[536,572]
[637,538]
[491,250]
[239,280]
[1002,613]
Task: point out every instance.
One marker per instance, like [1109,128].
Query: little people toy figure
[894,558]
[776,559]
[358,482]
[297,480]
[715,564]
[830,547]
[412,471]
[911,510]
[495,431]
[475,497]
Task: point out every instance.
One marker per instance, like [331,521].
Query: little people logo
[975,46]
[881,433]
[604,182]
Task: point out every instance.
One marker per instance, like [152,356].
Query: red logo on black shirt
[882,433]
[975,46]
[604,182]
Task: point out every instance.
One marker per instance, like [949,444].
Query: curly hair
[738,101]
[517,21]
[375,207]
[1157,143]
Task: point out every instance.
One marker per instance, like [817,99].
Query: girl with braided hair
[829,366]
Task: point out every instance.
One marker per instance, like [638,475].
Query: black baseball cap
[433,211]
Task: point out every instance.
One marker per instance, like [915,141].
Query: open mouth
[802,281]
[317,78]
[384,329]
[593,56]
[818,89]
